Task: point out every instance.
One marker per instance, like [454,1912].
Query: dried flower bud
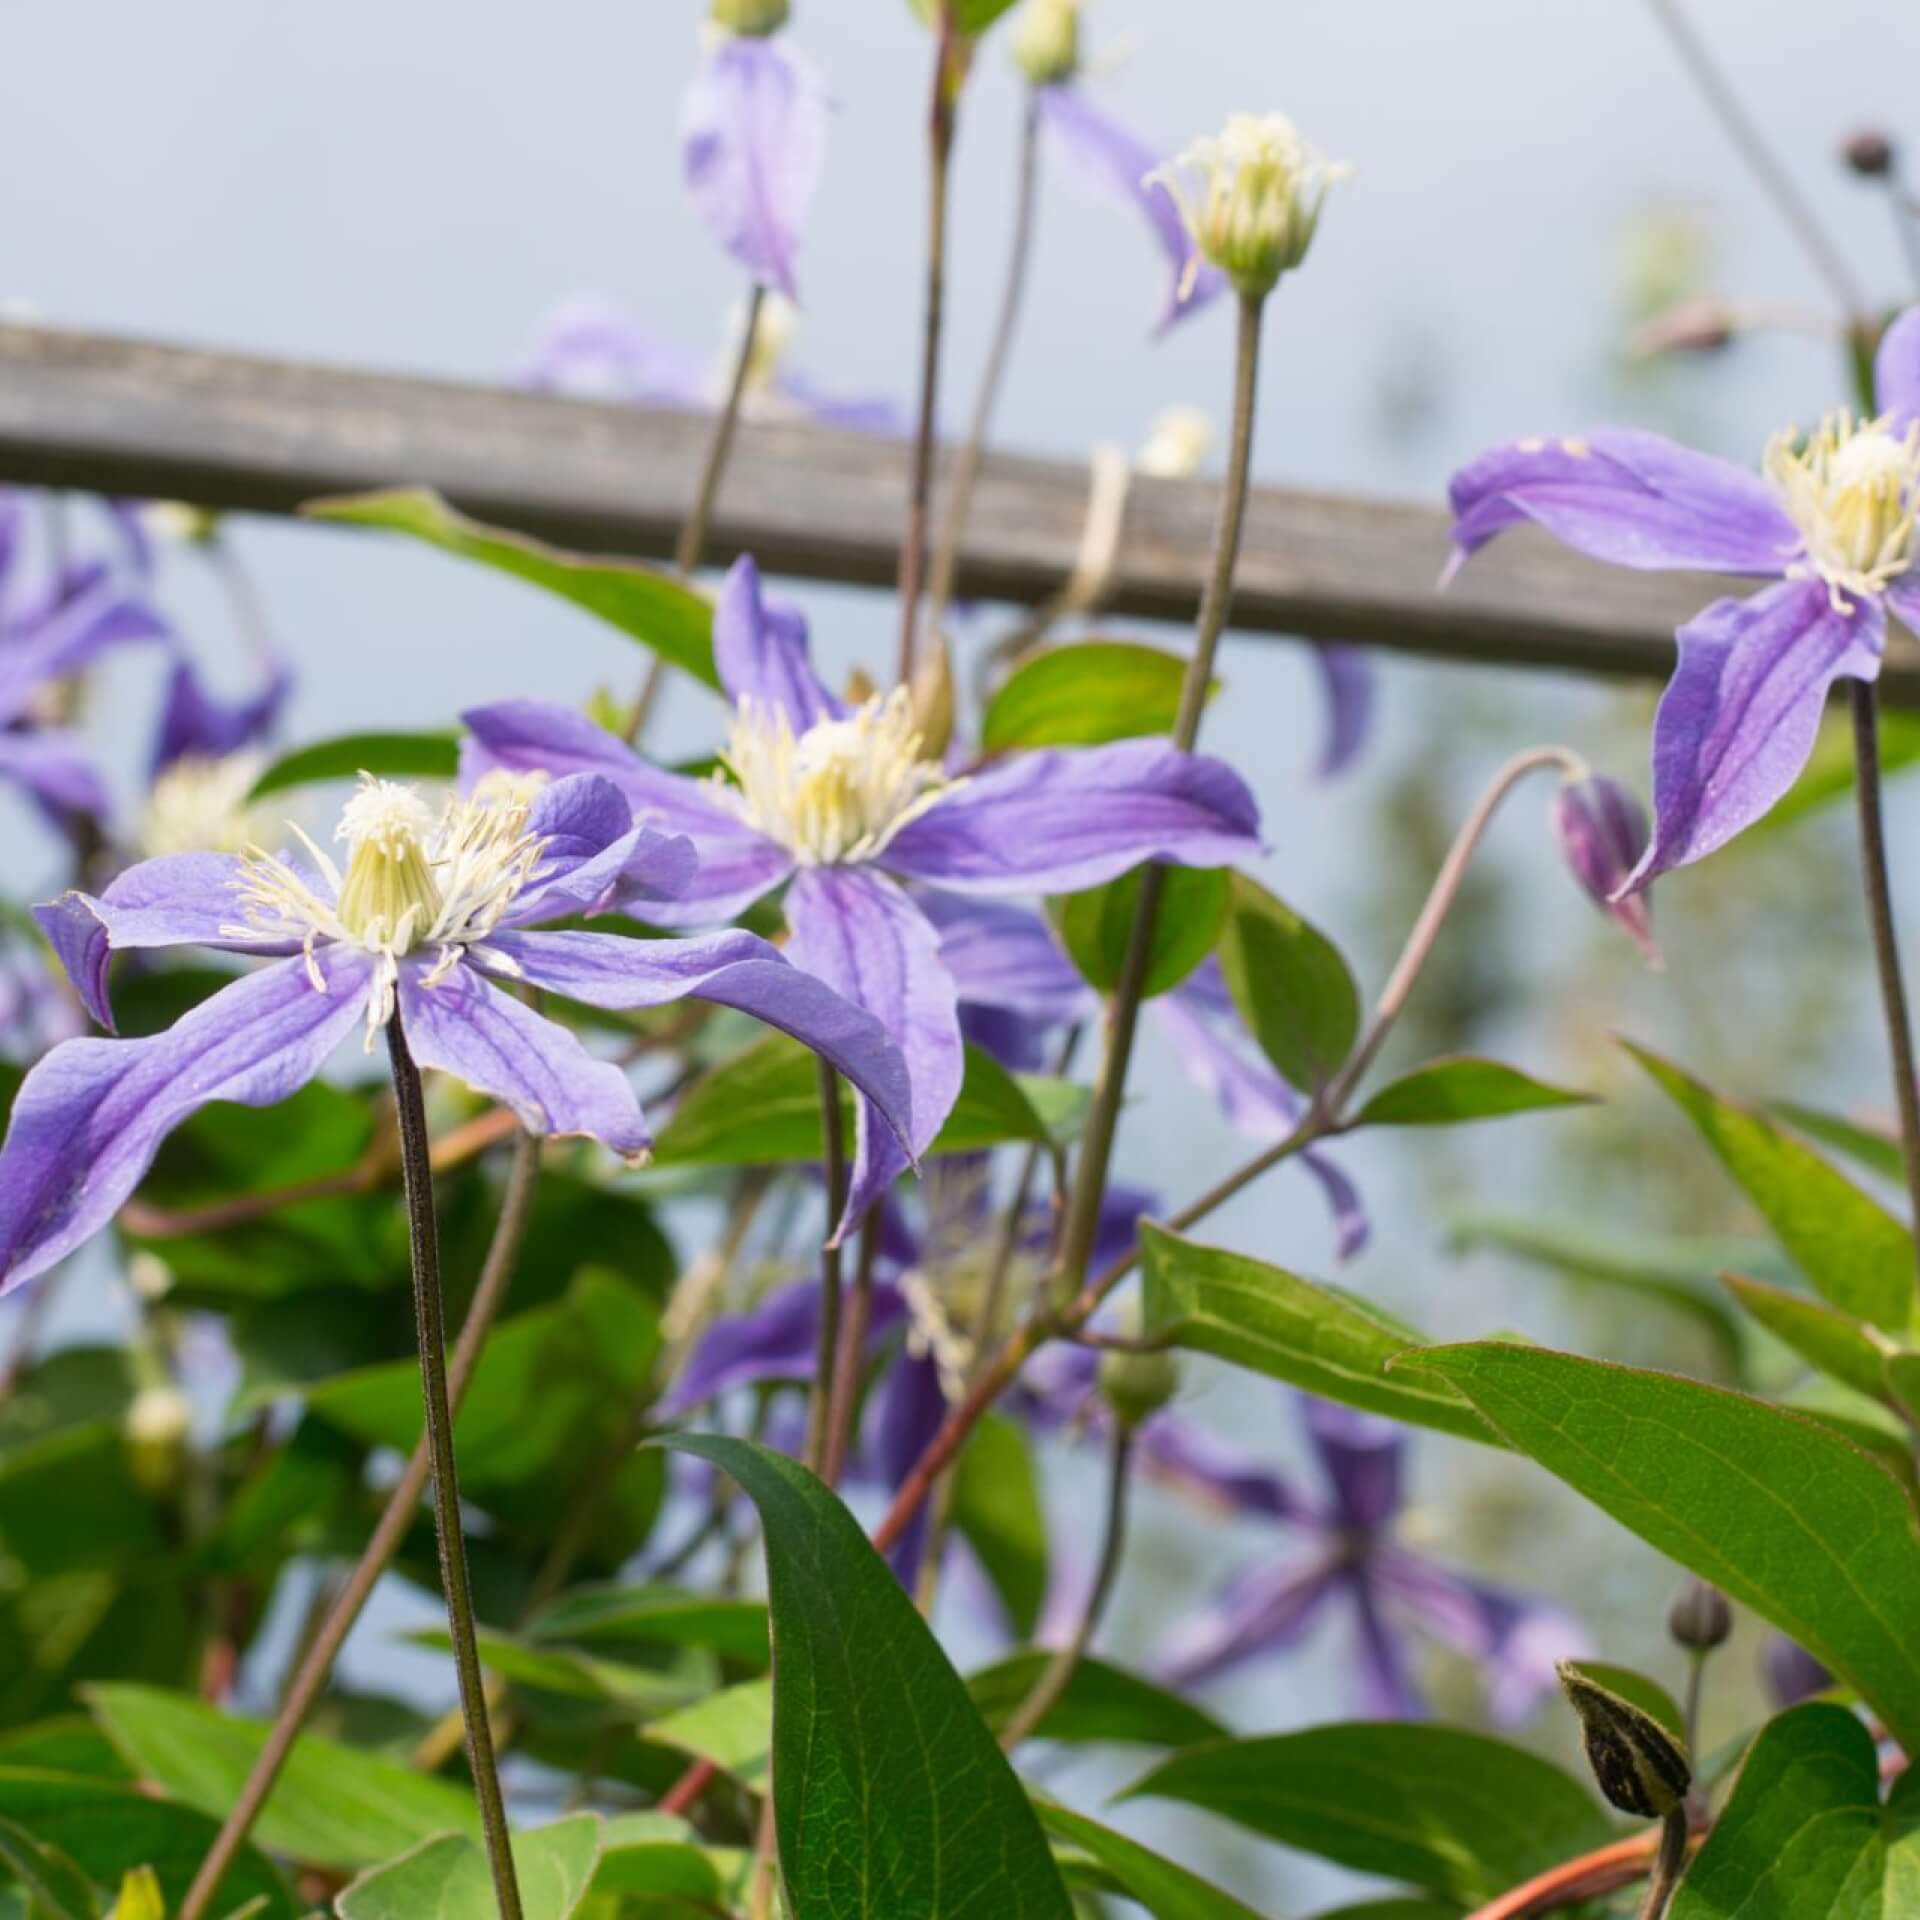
[1137,1385]
[1869,152]
[1251,198]
[1632,1737]
[1046,41]
[1700,1618]
[754,17]
[1603,832]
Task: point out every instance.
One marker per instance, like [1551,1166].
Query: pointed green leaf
[1273,1322]
[885,1776]
[1451,1812]
[996,1507]
[1849,1246]
[733,1728]
[650,1616]
[1902,1377]
[1293,989]
[1445,1093]
[1395,1910]
[1867,1147]
[1102,1702]
[1835,1342]
[1084,695]
[1167,1890]
[1096,927]
[1777,1510]
[447,1878]
[647,605]
[393,756]
[654,1854]
[56,1889]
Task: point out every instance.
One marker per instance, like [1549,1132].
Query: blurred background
[414,188]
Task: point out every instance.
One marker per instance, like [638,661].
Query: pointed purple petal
[70,637]
[1386,1687]
[1904,598]
[777,1341]
[1350,683]
[1363,1455]
[753,134]
[911,1409]
[1177,1451]
[1896,371]
[1069,818]
[1006,956]
[1263,1611]
[1738,718]
[1631,498]
[760,652]
[590,349]
[594,850]
[1603,834]
[56,770]
[90,1117]
[194,720]
[856,930]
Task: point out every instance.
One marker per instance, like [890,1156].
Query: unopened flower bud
[140,1897]
[156,1429]
[1046,41]
[931,696]
[181,520]
[1869,152]
[1137,1385]
[749,16]
[1793,1674]
[1251,198]
[1638,1758]
[1700,1618]
[1602,831]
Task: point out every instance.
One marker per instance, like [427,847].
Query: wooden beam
[235,431]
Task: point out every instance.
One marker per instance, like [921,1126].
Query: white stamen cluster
[199,805]
[840,791]
[1853,491]
[413,880]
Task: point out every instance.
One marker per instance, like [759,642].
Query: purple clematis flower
[432,919]
[1830,518]
[842,803]
[753,133]
[1355,1562]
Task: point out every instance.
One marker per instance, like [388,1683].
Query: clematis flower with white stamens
[435,915]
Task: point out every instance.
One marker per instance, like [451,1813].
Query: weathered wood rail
[240,432]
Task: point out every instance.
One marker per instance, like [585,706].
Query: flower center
[199,805]
[390,896]
[1852,490]
[842,790]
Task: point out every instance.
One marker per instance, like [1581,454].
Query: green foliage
[1835,1342]
[394,756]
[1270,1321]
[1167,1890]
[1100,1704]
[1777,1510]
[1084,695]
[1453,1813]
[881,1764]
[57,1889]
[673,619]
[733,1728]
[996,1507]
[447,1878]
[1446,1092]
[1293,989]
[1096,927]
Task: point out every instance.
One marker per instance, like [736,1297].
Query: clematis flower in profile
[846,804]
[1354,1563]
[1829,519]
[434,918]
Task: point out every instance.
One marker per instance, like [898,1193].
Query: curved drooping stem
[316,1664]
[1886,945]
[430,1326]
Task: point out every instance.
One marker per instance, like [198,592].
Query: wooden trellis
[236,431]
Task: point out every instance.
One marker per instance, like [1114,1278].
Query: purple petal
[590,349]
[857,413]
[56,770]
[1631,498]
[195,721]
[1069,818]
[1896,371]
[1002,955]
[1363,1454]
[1117,1224]
[90,1117]
[1114,161]
[1347,675]
[737,970]
[911,1409]
[753,134]
[760,652]
[1904,598]
[861,934]
[1386,1687]
[69,638]
[1738,718]
[1263,1611]
[594,851]
[1793,1674]
[463,1024]
[1188,1456]
[1602,830]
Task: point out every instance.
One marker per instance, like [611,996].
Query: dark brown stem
[1668,1864]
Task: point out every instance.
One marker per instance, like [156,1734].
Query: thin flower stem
[1059,1671]
[1886,946]
[1696,1686]
[692,543]
[1590,1876]
[851,1355]
[948,73]
[966,465]
[1668,1864]
[826,1352]
[429,1317]
[1760,159]
[310,1677]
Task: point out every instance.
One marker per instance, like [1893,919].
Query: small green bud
[1700,1618]
[157,1425]
[1632,1736]
[140,1897]
[1046,41]
[1137,1385]
[756,17]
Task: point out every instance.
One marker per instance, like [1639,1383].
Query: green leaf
[108,1830]
[1852,1249]
[1085,695]
[414,756]
[654,1616]
[1273,1322]
[66,1743]
[651,1854]
[1866,1146]
[1096,926]
[996,1506]
[56,1887]
[646,604]
[1804,1832]
[1446,1092]
[1396,1910]
[634,1691]
[1101,1703]
[1902,1380]
[1451,1812]
[1293,989]
[447,1878]
[1825,1337]
[885,1775]
[1167,1891]
[1775,1509]
[333,1806]
[733,1728]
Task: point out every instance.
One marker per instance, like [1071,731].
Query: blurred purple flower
[1831,519]
[431,918]
[1350,684]
[196,723]
[1793,1674]
[841,803]
[1602,830]
[1392,1593]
